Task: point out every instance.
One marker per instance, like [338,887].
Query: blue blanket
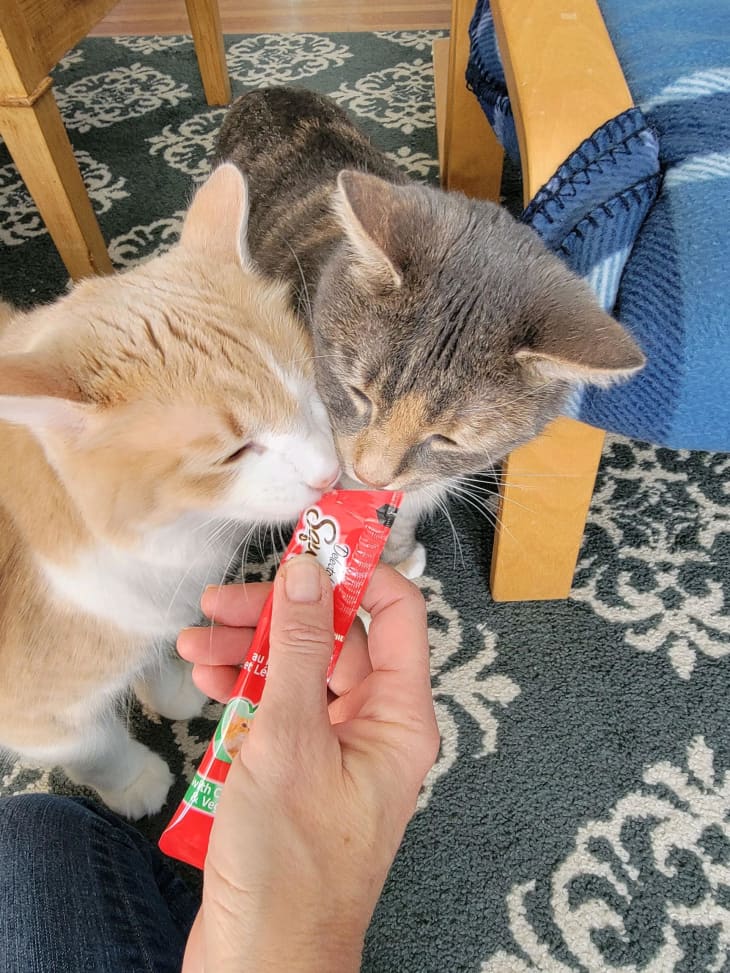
[656,254]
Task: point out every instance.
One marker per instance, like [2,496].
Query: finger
[216,681]
[214,646]
[235,604]
[354,663]
[398,692]
[295,696]
[398,635]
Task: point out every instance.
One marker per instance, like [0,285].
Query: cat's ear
[39,396]
[586,346]
[217,221]
[365,206]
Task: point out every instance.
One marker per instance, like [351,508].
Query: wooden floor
[262,16]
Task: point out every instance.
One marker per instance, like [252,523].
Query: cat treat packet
[345,531]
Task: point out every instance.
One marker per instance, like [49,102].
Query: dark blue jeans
[83,892]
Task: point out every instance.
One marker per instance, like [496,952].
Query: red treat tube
[346,531]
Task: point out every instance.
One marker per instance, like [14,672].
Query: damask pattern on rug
[663,849]
[188,147]
[400,97]
[115,96]
[20,218]
[289,58]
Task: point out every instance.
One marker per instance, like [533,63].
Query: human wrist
[287,936]
[310,933]
[291,955]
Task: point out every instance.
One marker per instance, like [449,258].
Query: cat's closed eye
[362,401]
[236,455]
[438,440]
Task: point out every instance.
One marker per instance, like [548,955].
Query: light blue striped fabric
[663,270]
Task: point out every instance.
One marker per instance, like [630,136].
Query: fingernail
[302,580]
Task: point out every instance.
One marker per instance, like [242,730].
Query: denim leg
[83,892]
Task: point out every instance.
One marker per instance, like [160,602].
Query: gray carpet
[578,818]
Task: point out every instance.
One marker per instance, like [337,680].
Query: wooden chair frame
[564,82]
[34,34]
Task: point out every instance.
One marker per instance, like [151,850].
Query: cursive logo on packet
[319,536]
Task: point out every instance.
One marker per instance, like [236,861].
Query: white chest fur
[155,590]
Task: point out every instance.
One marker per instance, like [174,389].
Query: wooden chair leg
[547,484]
[205,24]
[544,500]
[34,133]
[470,156]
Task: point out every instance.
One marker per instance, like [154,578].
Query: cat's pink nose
[373,484]
[327,481]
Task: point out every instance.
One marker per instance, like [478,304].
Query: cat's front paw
[414,565]
[186,704]
[170,691]
[146,793]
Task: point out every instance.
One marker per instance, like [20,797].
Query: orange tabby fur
[125,406]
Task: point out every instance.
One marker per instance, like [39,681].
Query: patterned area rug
[578,818]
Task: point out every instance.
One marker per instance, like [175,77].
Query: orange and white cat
[147,420]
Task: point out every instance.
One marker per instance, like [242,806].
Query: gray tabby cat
[445,333]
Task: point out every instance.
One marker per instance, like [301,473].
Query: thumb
[301,641]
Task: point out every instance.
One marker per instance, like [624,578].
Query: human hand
[217,651]
[315,806]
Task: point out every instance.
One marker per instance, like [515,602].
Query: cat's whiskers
[226,525]
[218,534]
[259,541]
[501,481]
[212,617]
[501,474]
[277,549]
[206,523]
[305,291]
[481,508]
[175,593]
[209,541]
[461,489]
[437,498]
[495,495]
[214,523]
[473,498]
[480,505]
[274,548]
[244,554]
[282,542]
